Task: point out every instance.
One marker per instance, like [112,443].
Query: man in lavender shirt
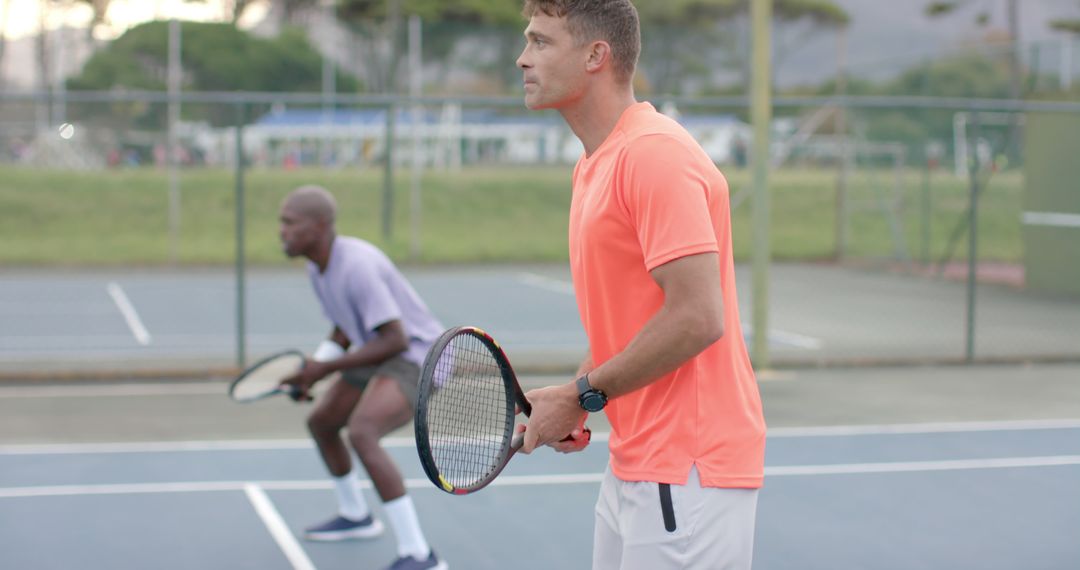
[382,329]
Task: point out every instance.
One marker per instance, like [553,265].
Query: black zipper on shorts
[666,507]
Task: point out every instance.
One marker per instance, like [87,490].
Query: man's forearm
[370,354]
[585,367]
[691,319]
[665,342]
[389,341]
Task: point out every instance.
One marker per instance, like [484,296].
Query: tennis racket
[263,379]
[468,396]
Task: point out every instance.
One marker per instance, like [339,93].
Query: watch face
[592,402]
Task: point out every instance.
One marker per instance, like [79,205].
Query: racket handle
[293,392]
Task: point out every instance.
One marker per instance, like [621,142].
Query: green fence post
[241,302]
[973,238]
[761,111]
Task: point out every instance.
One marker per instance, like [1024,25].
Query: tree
[216,57]
[941,8]
[674,38]
[964,76]
[728,18]
[674,32]
[238,8]
[100,11]
[982,18]
[376,27]
[1069,26]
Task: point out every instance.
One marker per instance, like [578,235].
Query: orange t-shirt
[648,195]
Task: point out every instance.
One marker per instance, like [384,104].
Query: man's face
[299,233]
[552,63]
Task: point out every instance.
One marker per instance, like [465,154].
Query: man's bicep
[692,283]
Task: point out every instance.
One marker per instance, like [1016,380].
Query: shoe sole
[371,531]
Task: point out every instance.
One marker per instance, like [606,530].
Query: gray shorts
[640,526]
[406,373]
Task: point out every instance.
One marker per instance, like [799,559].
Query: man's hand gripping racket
[267,378]
[287,372]
[468,399]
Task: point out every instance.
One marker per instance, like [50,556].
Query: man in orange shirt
[651,259]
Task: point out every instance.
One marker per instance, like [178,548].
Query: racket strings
[469,424]
[266,376]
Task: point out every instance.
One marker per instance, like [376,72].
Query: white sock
[351,503]
[402,516]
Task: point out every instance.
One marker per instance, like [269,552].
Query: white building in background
[448,137]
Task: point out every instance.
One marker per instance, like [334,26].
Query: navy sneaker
[410,563]
[341,528]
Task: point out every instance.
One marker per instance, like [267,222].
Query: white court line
[538,480]
[142,336]
[408,442]
[165,446]
[922,466]
[546,283]
[1054,219]
[112,390]
[788,338]
[179,339]
[219,486]
[796,340]
[277,527]
[933,427]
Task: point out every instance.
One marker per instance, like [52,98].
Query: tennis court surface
[71,322]
[976,468]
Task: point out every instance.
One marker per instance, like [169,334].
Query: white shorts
[649,526]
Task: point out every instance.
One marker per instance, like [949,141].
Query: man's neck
[321,256]
[594,117]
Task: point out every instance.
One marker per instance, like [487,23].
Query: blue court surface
[63,322]
[1001,495]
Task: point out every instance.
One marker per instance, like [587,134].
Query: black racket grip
[295,393]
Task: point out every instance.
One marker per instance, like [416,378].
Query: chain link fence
[911,222]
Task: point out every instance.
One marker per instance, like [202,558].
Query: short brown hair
[613,21]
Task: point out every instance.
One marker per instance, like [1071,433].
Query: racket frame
[254,367]
[426,386]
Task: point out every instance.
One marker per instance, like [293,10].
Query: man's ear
[598,56]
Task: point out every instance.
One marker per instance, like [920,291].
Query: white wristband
[328,350]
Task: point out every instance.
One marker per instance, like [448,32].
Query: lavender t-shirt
[362,290]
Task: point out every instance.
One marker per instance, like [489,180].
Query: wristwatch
[590,399]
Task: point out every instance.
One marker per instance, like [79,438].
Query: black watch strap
[590,399]
[582,384]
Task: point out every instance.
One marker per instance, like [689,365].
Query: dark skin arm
[390,340]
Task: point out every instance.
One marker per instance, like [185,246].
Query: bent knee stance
[364,434]
[323,425]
